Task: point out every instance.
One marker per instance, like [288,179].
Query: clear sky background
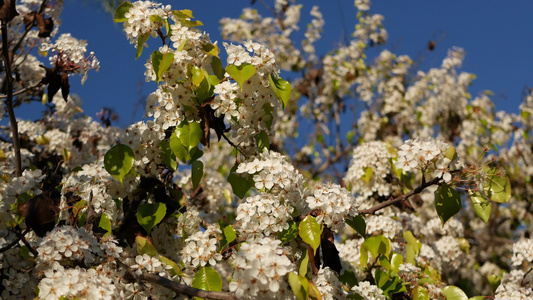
[496,35]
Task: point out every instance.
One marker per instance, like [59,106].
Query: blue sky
[496,35]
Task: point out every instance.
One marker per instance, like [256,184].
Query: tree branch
[390,202]
[9,99]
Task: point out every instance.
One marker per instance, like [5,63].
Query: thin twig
[390,202]
[13,243]
[24,90]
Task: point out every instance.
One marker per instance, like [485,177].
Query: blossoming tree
[426,195]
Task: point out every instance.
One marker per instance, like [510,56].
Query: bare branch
[390,202]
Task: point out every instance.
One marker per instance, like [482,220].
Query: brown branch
[13,243]
[24,90]
[9,99]
[390,202]
[178,287]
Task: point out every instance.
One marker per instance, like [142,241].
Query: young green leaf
[368,174]
[189,133]
[183,14]
[120,12]
[161,62]
[281,88]
[299,286]
[207,279]
[229,236]
[216,65]
[263,143]
[497,186]
[105,223]
[241,73]
[118,161]
[447,202]
[310,232]
[482,207]
[210,49]
[453,292]
[178,149]
[304,261]
[290,234]
[150,214]
[144,246]
[140,44]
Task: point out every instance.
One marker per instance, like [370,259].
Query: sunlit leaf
[118,161]
[105,223]
[358,224]
[161,62]
[241,73]
[482,207]
[289,234]
[240,183]
[168,157]
[281,88]
[299,286]
[140,44]
[497,186]
[310,231]
[454,293]
[121,11]
[207,279]
[144,246]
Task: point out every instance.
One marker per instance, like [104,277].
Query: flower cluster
[139,25]
[329,285]
[522,252]
[425,155]
[201,247]
[369,169]
[274,174]
[262,215]
[261,266]
[333,204]
[368,291]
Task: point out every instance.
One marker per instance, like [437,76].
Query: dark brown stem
[178,287]
[390,202]
[9,100]
[13,243]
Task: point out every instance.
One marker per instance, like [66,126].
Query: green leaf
[195,74]
[299,286]
[197,169]
[358,224]
[216,65]
[494,281]
[189,133]
[263,143]
[447,202]
[140,44]
[161,62]
[314,292]
[290,234]
[348,278]
[149,215]
[368,174]
[144,246]
[183,14]
[482,207]
[105,224]
[118,161]
[241,73]
[204,91]
[479,298]
[207,279]
[451,153]
[302,270]
[454,293]
[376,245]
[229,236]
[281,88]
[310,232]
[420,293]
[168,157]
[178,149]
[176,270]
[413,247]
[189,23]
[156,19]
[240,183]
[120,12]
[396,260]
[497,186]
[210,49]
